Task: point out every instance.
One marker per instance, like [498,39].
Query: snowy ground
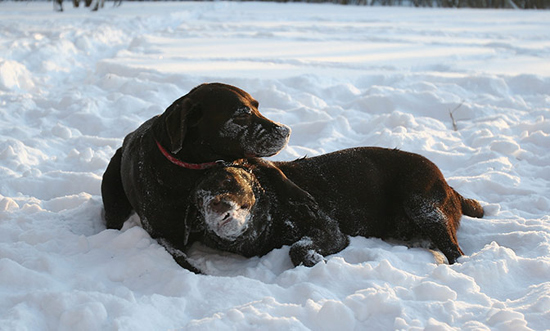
[73,84]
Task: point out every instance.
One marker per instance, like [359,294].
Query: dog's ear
[187,220]
[192,221]
[183,114]
[257,188]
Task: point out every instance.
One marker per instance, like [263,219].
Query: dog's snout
[219,205]
[282,129]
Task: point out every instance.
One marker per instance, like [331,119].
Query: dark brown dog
[159,163]
[371,192]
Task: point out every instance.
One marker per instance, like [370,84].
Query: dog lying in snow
[159,163]
[368,191]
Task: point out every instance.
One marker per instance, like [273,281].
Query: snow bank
[73,84]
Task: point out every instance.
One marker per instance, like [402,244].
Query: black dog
[371,192]
[158,164]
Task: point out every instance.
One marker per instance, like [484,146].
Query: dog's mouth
[230,224]
[224,214]
[225,220]
[263,142]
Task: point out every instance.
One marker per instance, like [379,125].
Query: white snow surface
[73,84]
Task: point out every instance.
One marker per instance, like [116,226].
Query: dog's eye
[227,181]
[245,206]
[243,112]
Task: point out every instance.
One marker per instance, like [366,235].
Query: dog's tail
[470,207]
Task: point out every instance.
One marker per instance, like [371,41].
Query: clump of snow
[73,84]
[14,75]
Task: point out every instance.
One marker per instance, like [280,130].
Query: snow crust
[73,84]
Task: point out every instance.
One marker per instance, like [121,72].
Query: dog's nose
[219,205]
[283,130]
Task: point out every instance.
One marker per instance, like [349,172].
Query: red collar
[194,166]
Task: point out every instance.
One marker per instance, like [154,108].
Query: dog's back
[349,185]
[384,193]
[372,192]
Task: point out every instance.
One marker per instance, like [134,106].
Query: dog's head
[227,199]
[222,121]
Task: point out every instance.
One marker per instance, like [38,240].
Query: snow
[73,84]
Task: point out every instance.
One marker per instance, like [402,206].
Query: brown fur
[212,122]
[371,192]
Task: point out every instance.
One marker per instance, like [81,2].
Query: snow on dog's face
[256,134]
[225,122]
[225,198]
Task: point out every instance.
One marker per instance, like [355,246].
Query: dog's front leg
[286,190]
[322,235]
[183,261]
[323,238]
[179,256]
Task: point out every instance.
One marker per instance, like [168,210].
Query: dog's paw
[184,262]
[303,253]
[179,256]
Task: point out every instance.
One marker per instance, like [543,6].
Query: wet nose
[219,205]
[282,129]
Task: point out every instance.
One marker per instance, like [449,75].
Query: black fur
[371,192]
[212,122]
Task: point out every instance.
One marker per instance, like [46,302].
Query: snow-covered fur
[212,122]
[368,191]
[243,216]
